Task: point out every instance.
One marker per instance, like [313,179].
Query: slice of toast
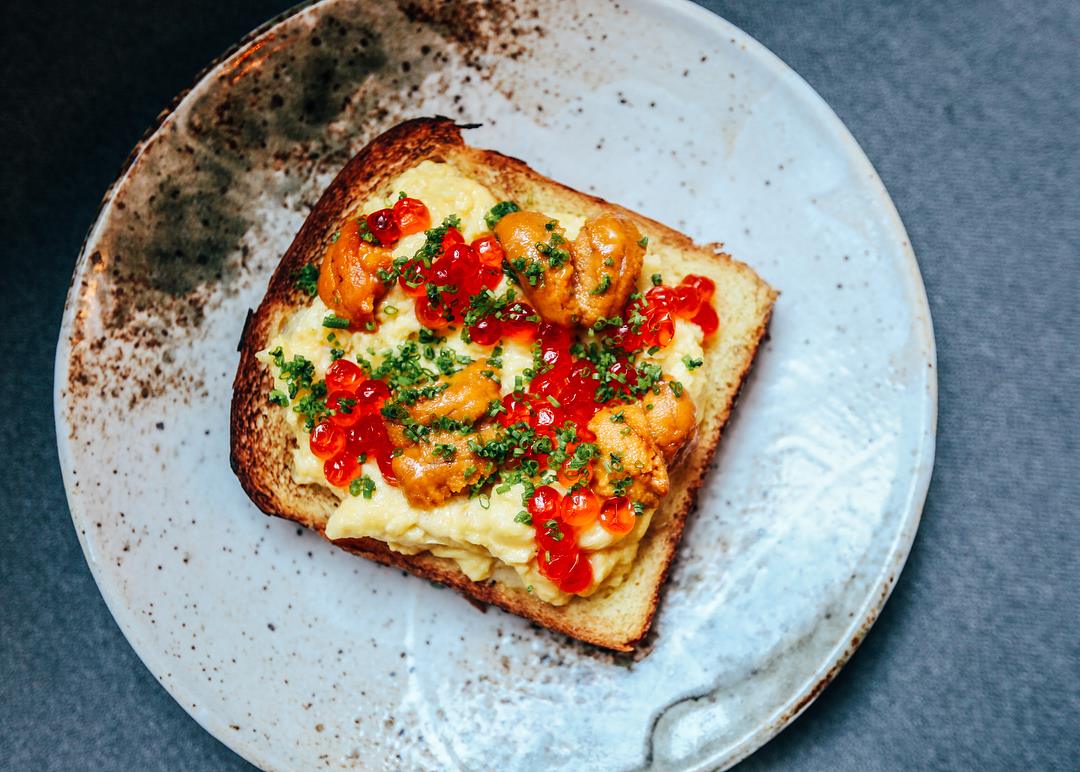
[261,442]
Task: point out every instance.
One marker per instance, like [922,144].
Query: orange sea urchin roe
[447,435]
[348,280]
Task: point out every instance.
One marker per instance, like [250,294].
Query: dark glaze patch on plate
[288,109]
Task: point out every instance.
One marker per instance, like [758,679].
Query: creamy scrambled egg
[479,534]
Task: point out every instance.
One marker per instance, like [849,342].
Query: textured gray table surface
[971,114]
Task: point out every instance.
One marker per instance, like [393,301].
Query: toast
[261,444]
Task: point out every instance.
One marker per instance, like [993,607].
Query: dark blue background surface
[971,114]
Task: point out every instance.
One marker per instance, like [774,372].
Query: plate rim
[923,461]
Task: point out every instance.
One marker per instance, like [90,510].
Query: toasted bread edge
[262,461]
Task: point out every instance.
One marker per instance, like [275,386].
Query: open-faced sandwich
[495,382]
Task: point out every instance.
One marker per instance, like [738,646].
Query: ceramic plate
[298,655]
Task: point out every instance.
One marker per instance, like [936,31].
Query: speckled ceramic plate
[298,655]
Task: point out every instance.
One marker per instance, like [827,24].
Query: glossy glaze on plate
[298,655]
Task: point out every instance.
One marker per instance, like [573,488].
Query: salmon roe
[564,392]
[355,428]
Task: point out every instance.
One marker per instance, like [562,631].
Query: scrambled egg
[479,534]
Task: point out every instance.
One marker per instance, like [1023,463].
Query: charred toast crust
[260,442]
